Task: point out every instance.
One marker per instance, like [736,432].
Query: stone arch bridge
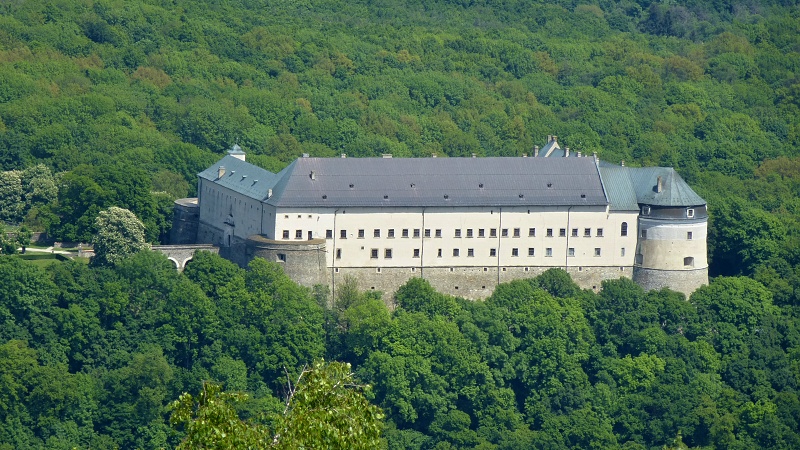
[182,254]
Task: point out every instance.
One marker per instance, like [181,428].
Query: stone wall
[185,219]
[302,261]
[685,281]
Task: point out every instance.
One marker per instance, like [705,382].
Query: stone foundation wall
[302,261]
[685,281]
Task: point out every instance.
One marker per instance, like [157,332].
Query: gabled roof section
[242,177]
[619,188]
[674,191]
[379,182]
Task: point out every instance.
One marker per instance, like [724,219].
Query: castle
[464,224]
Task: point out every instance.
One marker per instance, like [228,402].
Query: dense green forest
[112,103]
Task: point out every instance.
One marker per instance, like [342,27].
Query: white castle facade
[464,224]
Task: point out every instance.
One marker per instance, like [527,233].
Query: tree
[119,234]
[24,236]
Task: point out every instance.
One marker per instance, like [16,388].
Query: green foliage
[119,234]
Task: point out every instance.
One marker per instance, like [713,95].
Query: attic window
[480,185]
[413,185]
[446,196]
[583,195]
[233,172]
[244,176]
[549,185]
[386,197]
[690,213]
[521,196]
[352,185]
[324,197]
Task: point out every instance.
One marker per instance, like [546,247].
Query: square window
[597,251]
[493,232]
[644,234]
[416,253]
[688,261]
[281,257]
[481,232]
[416,232]
[571,251]
[599,232]
[338,253]
[458,232]
[549,232]
[343,234]
[376,232]
[373,253]
[562,232]
[575,232]
[328,234]
[504,232]
[689,235]
[690,213]
[439,253]
[387,253]
[531,232]
[492,252]
[390,233]
[361,234]
[516,232]
[548,251]
[587,232]
[427,232]
[470,252]
[469,232]
[514,252]
[298,234]
[531,251]
[405,232]
[645,210]
[455,252]
[438,232]
[286,234]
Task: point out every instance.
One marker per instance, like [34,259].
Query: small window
[688,261]
[343,234]
[387,253]
[597,251]
[689,235]
[328,234]
[481,232]
[574,232]
[599,232]
[492,252]
[298,234]
[644,234]
[549,232]
[338,253]
[456,252]
[310,235]
[469,232]
[587,232]
[458,232]
[516,232]
[361,234]
[373,253]
[405,232]
[645,210]
[281,257]
[493,232]
[571,251]
[427,232]
[514,252]
[416,253]
[470,252]
[690,213]
[286,234]
[623,229]
[531,251]
[562,232]
[439,253]
[639,258]
[438,232]
[390,233]
[548,252]
[416,232]
[376,232]
[531,232]
[622,251]
[504,232]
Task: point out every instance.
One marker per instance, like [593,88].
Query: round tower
[185,220]
[671,249]
[303,261]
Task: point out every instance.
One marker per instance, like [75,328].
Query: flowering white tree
[119,234]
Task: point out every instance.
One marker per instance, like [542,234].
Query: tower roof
[673,191]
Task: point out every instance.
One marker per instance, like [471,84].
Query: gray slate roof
[674,192]
[378,182]
[242,177]
[619,188]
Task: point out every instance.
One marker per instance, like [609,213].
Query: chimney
[433,155]
[566,151]
[269,193]
[386,155]
[555,139]
[344,155]
[220,172]
[524,155]
[305,155]
[549,138]
[535,150]
[313,175]
[595,157]
[474,156]
[579,154]
[659,185]
[622,163]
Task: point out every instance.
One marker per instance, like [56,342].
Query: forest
[108,103]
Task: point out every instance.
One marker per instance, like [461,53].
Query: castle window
[286,234]
[458,232]
[531,232]
[574,232]
[599,232]
[597,251]
[481,232]
[549,232]
[416,253]
[622,251]
[689,235]
[405,232]
[514,252]
[390,233]
[328,234]
[571,251]
[416,232]
[310,235]
[688,261]
[645,210]
[470,252]
[338,253]
[504,232]
[493,232]
[644,234]
[638,258]
[469,232]
[376,232]
[548,252]
[387,253]
[531,251]
[587,232]
[361,234]
[562,232]
[298,234]
[516,232]
[373,253]
[690,213]
[623,229]
[492,252]
[438,233]
[427,232]
[439,253]
[343,234]
[456,252]
[281,257]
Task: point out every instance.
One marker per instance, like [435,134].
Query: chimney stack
[220,172]
[659,185]
[579,154]
[313,175]
[566,151]
[344,155]
[524,155]
[269,193]
[622,163]
[535,150]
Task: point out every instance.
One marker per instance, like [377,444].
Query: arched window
[623,229]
